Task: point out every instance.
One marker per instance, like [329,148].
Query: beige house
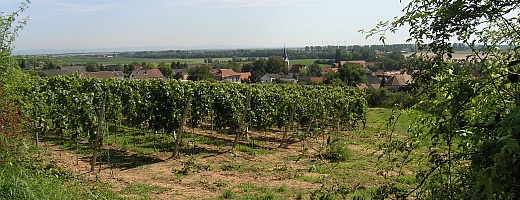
[227,75]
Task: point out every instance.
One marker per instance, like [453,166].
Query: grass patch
[282,189]
[310,179]
[48,182]
[247,187]
[227,194]
[142,191]
[338,151]
[378,119]
[245,149]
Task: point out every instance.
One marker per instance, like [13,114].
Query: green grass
[141,191]
[228,194]
[245,149]
[379,118]
[48,182]
[303,61]
[252,191]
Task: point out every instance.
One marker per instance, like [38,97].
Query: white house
[269,78]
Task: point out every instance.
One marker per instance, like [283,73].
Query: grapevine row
[70,104]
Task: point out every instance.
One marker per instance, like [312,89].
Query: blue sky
[96,24]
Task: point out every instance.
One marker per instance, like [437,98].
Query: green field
[123,61]
[303,61]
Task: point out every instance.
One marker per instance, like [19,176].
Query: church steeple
[285,56]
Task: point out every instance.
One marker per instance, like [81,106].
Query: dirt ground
[264,170]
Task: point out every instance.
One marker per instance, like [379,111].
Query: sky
[194,24]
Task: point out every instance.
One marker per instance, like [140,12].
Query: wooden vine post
[241,123]
[338,119]
[96,136]
[181,128]
[309,126]
[288,125]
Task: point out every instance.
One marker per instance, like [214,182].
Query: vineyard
[76,108]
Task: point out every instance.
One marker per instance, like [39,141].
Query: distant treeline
[252,55]
[309,52]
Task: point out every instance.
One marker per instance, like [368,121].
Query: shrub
[383,98]
[338,151]
[245,149]
[228,194]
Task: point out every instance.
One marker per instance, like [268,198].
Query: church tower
[286,57]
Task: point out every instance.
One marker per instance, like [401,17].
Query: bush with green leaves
[383,98]
[338,151]
[470,122]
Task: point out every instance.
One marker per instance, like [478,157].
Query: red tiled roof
[225,73]
[118,73]
[362,86]
[147,73]
[245,75]
[361,62]
[317,79]
[328,69]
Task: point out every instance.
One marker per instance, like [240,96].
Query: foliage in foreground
[472,123]
[22,174]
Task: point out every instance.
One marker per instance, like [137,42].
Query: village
[220,71]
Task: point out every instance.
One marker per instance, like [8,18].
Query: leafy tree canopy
[470,115]
[352,74]
[200,73]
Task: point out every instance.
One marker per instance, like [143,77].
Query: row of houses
[140,73]
[395,80]
[220,75]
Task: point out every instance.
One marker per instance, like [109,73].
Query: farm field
[303,61]
[142,167]
[460,55]
[123,61]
